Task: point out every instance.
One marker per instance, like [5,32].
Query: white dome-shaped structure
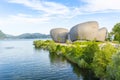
[59,34]
[101,35]
[84,31]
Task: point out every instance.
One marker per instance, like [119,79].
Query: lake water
[19,60]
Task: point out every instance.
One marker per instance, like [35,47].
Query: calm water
[19,60]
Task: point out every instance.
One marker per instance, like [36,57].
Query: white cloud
[23,19]
[29,19]
[21,23]
[60,10]
[49,11]
[101,5]
[50,8]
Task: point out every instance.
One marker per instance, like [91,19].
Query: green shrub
[83,64]
[101,59]
[113,69]
[52,47]
[89,52]
[38,43]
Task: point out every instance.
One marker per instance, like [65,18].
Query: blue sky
[31,16]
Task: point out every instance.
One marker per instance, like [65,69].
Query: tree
[116,32]
[109,36]
[101,59]
[113,69]
[89,52]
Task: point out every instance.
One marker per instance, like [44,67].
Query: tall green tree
[116,32]
[113,69]
[89,52]
[101,59]
[109,36]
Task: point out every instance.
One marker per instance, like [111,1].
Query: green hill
[2,35]
[23,36]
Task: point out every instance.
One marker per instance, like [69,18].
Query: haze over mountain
[32,36]
[23,36]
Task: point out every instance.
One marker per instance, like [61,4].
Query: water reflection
[60,68]
[85,74]
[9,47]
[56,59]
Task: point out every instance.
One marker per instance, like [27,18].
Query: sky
[40,16]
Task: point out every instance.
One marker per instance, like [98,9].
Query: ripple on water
[9,47]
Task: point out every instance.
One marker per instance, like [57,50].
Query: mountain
[2,35]
[9,36]
[23,36]
[32,36]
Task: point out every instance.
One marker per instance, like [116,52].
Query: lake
[19,60]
